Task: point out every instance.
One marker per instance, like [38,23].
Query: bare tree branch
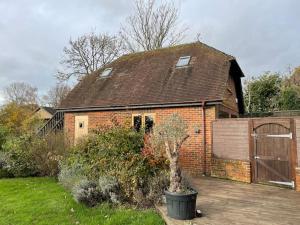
[88,53]
[55,95]
[152,27]
[21,93]
[198,37]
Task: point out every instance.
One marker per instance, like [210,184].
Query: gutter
[204,137]
[145,106]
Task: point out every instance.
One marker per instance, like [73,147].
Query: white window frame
[182,61]
[105,73]
[143,115]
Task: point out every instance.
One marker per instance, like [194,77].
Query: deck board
[232,203]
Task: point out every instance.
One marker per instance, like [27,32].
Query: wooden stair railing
[56,123]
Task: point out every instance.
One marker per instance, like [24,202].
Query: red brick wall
[297,183]
[231,169]
[191,155]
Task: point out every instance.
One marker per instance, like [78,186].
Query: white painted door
[81,127]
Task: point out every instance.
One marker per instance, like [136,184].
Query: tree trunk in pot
[175,175]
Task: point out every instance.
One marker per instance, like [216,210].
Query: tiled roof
[151,77]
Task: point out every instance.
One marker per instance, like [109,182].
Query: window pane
[183,61]
[106,72]
[137,123]
[149,123]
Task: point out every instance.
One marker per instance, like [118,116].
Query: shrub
[156,187]
[3,160]
[152,191]
[70,175]
[3,135]
[86,192]
[5,174]
[116,152]
[47,152]
[133,175]
[34,156]
[4,165]
[110,188]
[19,161]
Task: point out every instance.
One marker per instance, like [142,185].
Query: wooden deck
[231,203]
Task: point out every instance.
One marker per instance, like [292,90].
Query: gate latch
[256,157]
[254,135]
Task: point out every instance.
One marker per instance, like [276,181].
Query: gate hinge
[290,135]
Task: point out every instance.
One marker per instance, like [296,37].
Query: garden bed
[44,201]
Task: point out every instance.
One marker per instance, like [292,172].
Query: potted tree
[181,200]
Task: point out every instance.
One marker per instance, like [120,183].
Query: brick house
[194,80]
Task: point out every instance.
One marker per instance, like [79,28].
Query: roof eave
[233,60]
[144,106]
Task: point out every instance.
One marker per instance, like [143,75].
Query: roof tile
[152,78]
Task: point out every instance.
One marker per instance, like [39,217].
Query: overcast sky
[264,35]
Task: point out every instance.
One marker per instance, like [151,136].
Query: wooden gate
[272,151]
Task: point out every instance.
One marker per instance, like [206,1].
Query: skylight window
[106,72]
[183,61]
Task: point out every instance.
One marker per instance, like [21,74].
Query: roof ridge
[174,47]
[217,50]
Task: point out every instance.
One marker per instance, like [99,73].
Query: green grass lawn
[32,201]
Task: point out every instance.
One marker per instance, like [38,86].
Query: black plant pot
[181,206]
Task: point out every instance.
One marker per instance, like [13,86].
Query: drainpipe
[204,137]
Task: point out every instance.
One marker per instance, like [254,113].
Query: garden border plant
[31,155]
[113,157]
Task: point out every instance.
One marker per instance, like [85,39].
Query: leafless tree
[21,93]
[56,94]
[198,36]
[152,26]
[88,53]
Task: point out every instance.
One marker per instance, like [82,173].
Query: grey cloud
[33,34]
[263,35]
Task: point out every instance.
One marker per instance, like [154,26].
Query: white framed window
[149,121]
[106,72]
[183,61]
[137,122]
[146,121]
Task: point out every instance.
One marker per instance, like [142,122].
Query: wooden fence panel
[297,123]
[231,139]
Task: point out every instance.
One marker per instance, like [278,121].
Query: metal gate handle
[256,157]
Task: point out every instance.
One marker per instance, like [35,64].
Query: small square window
[106,72]
[183,61]
[81,124]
